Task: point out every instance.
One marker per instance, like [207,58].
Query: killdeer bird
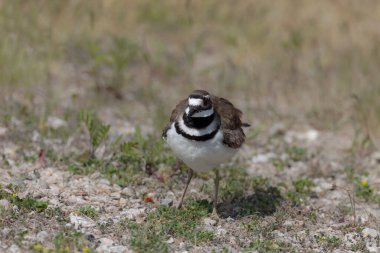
[204,131]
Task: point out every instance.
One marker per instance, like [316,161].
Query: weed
[20,237]
[65,241]
[97,130]
[329,242]
[56,213]
[259,182]
[267,245]
[301,189]
[295,153]
[350,173]
[253,224]
[362,189]
[30,158]
[279,164]
[144,240]
[235,186]
[165,222]
[88,211]
[128,160]
[365,191]
[27,203]
[303,185]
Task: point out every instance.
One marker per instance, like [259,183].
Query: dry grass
[297,59]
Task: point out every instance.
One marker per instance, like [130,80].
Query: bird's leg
[190,175]
[216,188]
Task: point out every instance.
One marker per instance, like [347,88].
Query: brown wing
[230,122]
[177,111]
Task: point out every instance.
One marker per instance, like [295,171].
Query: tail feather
[245,125]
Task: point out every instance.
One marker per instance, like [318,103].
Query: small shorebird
[204,131]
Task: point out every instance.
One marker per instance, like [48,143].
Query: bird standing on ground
[204,131]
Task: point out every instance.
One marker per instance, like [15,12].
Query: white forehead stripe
[203,114]
[195,101]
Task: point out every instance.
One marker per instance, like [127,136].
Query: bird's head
[199,104]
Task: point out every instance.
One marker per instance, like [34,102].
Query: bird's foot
[214,214]
[179,205]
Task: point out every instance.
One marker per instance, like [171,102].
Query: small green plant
[128,159]
[20,237]
[27,203]
[329,242]
[88,211]
[65,241]
[301,188]
[71,241]
[295,153]
[362,188]
[235,185]
[144,240]
[253,224]
[303,185]
[259,182]
[30,158]
[279,164]
[269,246]
[140,154]
[97,130]
[167,222]
[365,191]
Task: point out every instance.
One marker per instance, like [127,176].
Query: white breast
[199,155]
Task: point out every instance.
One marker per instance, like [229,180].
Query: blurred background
[294,61]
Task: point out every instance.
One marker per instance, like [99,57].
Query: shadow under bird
[204,131]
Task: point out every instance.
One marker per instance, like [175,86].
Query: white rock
[170,240]
[132,213]
[5,231]
[311,135]
[291,223]
[115,195]
[75,200]
[221,232]
[209,222]
[105,245]
[118,249]
[55,122]
[14,249]
[127,192]
[350,239]
[42,236]
[4,203]
[262,158]
[123,202]
[104,181]
[35,136]
[79,221]
[373,249]
[3,130]
[370,232]
[277,234]
[230,219]
[100,151]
